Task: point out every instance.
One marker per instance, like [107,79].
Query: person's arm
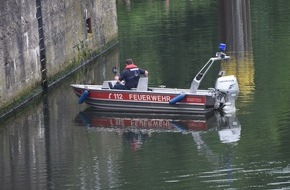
[146,73]
[117,78]
[120,77]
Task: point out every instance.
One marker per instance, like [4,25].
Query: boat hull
[154,101]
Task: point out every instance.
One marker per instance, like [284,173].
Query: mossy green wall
[67,41]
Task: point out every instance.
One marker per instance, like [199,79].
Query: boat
[147,99]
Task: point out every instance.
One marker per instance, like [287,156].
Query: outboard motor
[226,90]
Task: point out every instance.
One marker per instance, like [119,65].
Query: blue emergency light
[222,47]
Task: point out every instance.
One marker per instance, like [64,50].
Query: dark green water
[57,144]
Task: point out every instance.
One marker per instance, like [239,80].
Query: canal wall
[40,40]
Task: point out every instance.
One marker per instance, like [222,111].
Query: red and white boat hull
[156,100]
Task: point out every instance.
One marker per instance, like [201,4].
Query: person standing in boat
[130,75]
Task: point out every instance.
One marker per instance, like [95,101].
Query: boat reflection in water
[138,127]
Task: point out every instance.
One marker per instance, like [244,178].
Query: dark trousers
[121,87]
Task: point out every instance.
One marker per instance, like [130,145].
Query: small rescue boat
[146,99]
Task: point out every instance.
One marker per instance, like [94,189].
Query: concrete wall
[67,41]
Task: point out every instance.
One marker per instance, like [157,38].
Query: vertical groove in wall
[41,45]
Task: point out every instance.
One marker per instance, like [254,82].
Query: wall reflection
[235,31]
[37,144]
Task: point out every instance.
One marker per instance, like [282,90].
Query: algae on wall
[19,50]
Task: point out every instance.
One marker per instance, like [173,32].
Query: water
[57,144]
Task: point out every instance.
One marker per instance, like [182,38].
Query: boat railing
[200,75]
